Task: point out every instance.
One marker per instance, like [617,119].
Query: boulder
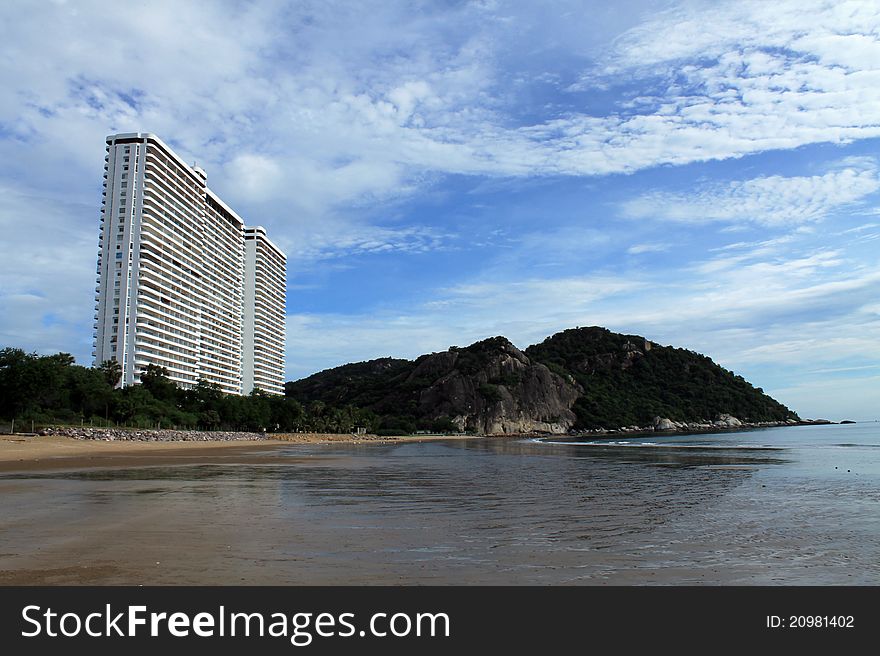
[728,421]
[664,424]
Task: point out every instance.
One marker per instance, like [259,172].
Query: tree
[286,414]
[209,420]
[112,372]
[155,379]
[89,392]
[15,384]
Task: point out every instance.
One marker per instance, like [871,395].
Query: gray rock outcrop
[727,421]
[507,393]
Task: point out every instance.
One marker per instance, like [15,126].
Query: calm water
[796,505]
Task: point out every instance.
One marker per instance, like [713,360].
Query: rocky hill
[489,387]
[627,379]
[584,378]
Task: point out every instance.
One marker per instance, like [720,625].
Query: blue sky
[705,174]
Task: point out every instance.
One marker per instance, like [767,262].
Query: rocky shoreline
[722,423]
[122,435]
[660,425]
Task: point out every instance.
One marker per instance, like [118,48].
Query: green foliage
[442,424]
[112,372]
[490,393]
[52,389]
[34,386]
[627,380]
[507,380]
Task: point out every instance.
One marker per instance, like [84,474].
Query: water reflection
[467,511]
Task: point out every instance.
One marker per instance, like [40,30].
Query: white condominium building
[173,288]
[264,273]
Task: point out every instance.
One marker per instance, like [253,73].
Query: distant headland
[578,381]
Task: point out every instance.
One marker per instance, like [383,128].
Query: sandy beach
[47,453]
[325,510]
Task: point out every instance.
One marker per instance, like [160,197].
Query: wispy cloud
[639,249]
[340,241]
[367,118]
[767,200]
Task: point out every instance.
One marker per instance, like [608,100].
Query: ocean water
[787,506]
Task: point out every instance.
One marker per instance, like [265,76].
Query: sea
[778,506]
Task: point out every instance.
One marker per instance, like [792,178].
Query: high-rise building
[264,274]
[182,282]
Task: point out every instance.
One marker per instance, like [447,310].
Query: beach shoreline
[344,510]
[22,454]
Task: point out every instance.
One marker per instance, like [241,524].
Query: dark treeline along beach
[44,390]
[577,380]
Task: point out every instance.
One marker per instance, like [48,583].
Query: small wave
[656,445]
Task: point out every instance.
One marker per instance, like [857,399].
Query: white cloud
[639,249]
[768,200]
[332,111]
[334,241]
[256,176]
[524,311]
[741,77]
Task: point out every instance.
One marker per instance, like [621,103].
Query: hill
[579,379]
[627,379]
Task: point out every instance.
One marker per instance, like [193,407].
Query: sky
[705,174]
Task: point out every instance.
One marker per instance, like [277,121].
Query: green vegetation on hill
[627,380]
[622,380]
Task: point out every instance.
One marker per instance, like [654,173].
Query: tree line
[51,389]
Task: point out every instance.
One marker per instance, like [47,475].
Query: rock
[121,434]
[506,394]
[664,424]
[725,420]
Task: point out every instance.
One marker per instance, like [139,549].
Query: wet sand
[47,453]
[467,511]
